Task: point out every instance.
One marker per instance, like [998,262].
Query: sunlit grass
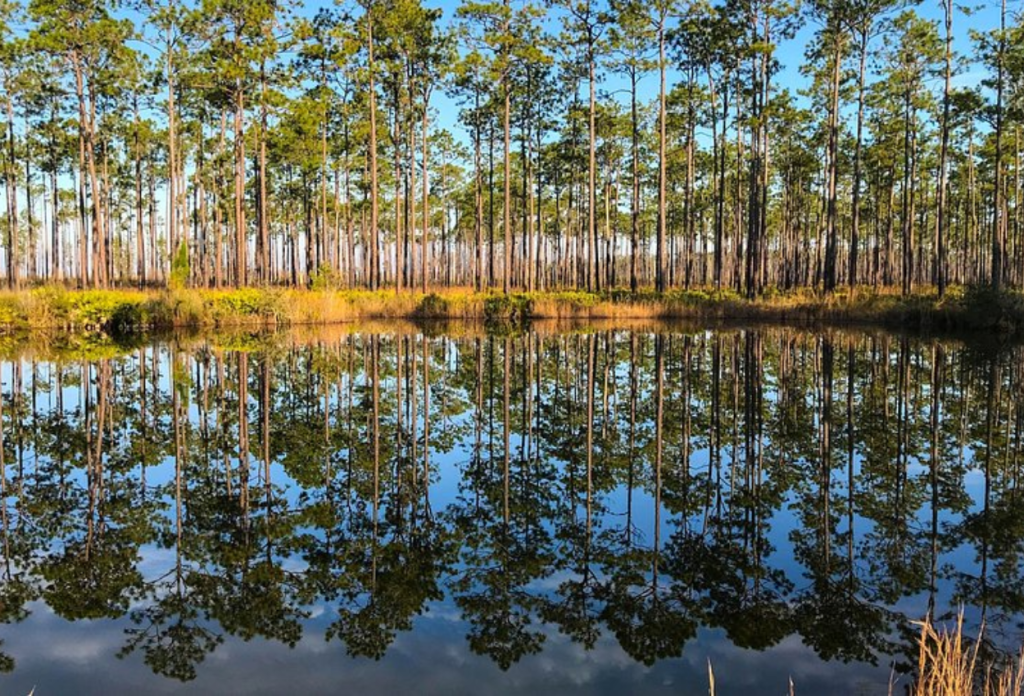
[54,307]
[950,665]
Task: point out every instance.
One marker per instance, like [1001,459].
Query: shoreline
[135,312]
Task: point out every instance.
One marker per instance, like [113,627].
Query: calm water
[576,512]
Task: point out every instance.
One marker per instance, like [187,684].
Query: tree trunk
[939,259]
[659,275]
[374,233]
[998,218]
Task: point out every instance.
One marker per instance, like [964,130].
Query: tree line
[768,483]
[591,144]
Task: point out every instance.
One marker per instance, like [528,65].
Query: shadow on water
[654,494]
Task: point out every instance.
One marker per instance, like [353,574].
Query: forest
[748,145]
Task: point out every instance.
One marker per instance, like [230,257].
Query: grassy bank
[127,311]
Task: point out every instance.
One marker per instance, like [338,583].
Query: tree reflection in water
[769,483]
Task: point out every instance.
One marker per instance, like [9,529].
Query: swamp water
[562,511]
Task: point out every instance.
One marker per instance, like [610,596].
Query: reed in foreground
[948,664]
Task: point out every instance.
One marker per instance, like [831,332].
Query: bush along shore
[135,311]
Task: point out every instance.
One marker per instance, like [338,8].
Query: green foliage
[11,314]
[325,278]
[695,298]
[246,302]
[507,310]
[90,310]
[433,306]
[135,316]
[180,269]
[986,308]
[125,318]
[96,309]
[156,312]
[574,298]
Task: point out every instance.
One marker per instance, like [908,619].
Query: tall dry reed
[949,665]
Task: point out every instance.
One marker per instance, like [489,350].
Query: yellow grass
[54,307]
[949,666]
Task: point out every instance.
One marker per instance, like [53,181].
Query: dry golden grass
[945,665]
[949,666]
[54,307]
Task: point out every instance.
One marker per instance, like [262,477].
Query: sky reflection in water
[450,520]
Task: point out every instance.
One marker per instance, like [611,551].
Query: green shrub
[180,268]
[49,306]
[432,306]
[325,278]
[577,298]
[11,314]
[984,307]
[88,309]
[126,317]
[247,303]
[507,309]
[244,302]
[178,309]
[156,312]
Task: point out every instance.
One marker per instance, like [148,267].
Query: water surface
[570,511]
